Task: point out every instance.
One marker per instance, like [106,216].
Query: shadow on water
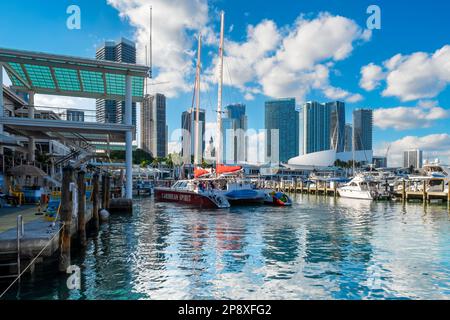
[321,248]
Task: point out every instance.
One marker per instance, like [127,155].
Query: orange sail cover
[200,172]
[221,169]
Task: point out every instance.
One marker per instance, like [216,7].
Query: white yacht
[360,187]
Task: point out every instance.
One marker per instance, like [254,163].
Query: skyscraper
[234,129]
[316,127]
[362,129]
[153,125]
[188,137]
[110,111]
[337,125]
[413,158]
[281,115]
[348,138]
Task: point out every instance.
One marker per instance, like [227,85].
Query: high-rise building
[413,158]
[110,111]
[154,126]
[362,129]
[281,116]
[348,138]
[234,128]
[315,127]
[188,138]
[337,125]
[379,162]
[75,115]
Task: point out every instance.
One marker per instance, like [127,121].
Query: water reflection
[321,248]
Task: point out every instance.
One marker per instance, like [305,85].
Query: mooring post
[108,191]
[404,190]
[81,207]
[104,191]
[66,218]
[95,197]
[424,191]
[448,193]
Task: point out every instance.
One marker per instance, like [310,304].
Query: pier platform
[37,231]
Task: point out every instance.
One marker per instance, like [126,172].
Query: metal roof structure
[50,74]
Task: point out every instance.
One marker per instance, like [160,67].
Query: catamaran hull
[184,197]
[244,197]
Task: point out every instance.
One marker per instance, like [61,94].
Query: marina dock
[324,188]
[27,237]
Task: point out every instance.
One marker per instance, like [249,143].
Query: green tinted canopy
[43,73]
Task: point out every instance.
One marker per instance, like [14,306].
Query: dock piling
[81,208]
[66,218]
[95,197]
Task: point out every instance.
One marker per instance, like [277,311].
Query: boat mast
[219,98]
[197,112]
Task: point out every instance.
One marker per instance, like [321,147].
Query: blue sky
[408,28]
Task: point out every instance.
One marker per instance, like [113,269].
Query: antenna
[146,78]
[151,43]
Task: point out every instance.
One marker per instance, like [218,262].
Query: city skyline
[379,69]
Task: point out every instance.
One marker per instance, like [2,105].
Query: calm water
[321,248]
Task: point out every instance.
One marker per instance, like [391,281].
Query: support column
[81,183]
[66,218]
[31,143]
[129,138]
[2,108]
[95,188]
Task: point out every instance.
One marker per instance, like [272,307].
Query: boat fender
[104,215]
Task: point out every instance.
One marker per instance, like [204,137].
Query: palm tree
[156,162]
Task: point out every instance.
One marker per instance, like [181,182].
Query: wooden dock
[409,192]
[324,188]
[42,238]
[319,188]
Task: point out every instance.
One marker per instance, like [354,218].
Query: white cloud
[410,77]
[435,146]
[6,80]
[174,23]
[402,118]
[294,60]
[371,77]
[341,94]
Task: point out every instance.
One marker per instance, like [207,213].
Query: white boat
[360,187]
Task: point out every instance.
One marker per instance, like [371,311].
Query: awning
[69,76]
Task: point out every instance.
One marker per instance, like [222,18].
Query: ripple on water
[321,248]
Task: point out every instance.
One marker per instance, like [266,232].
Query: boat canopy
[222,169]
